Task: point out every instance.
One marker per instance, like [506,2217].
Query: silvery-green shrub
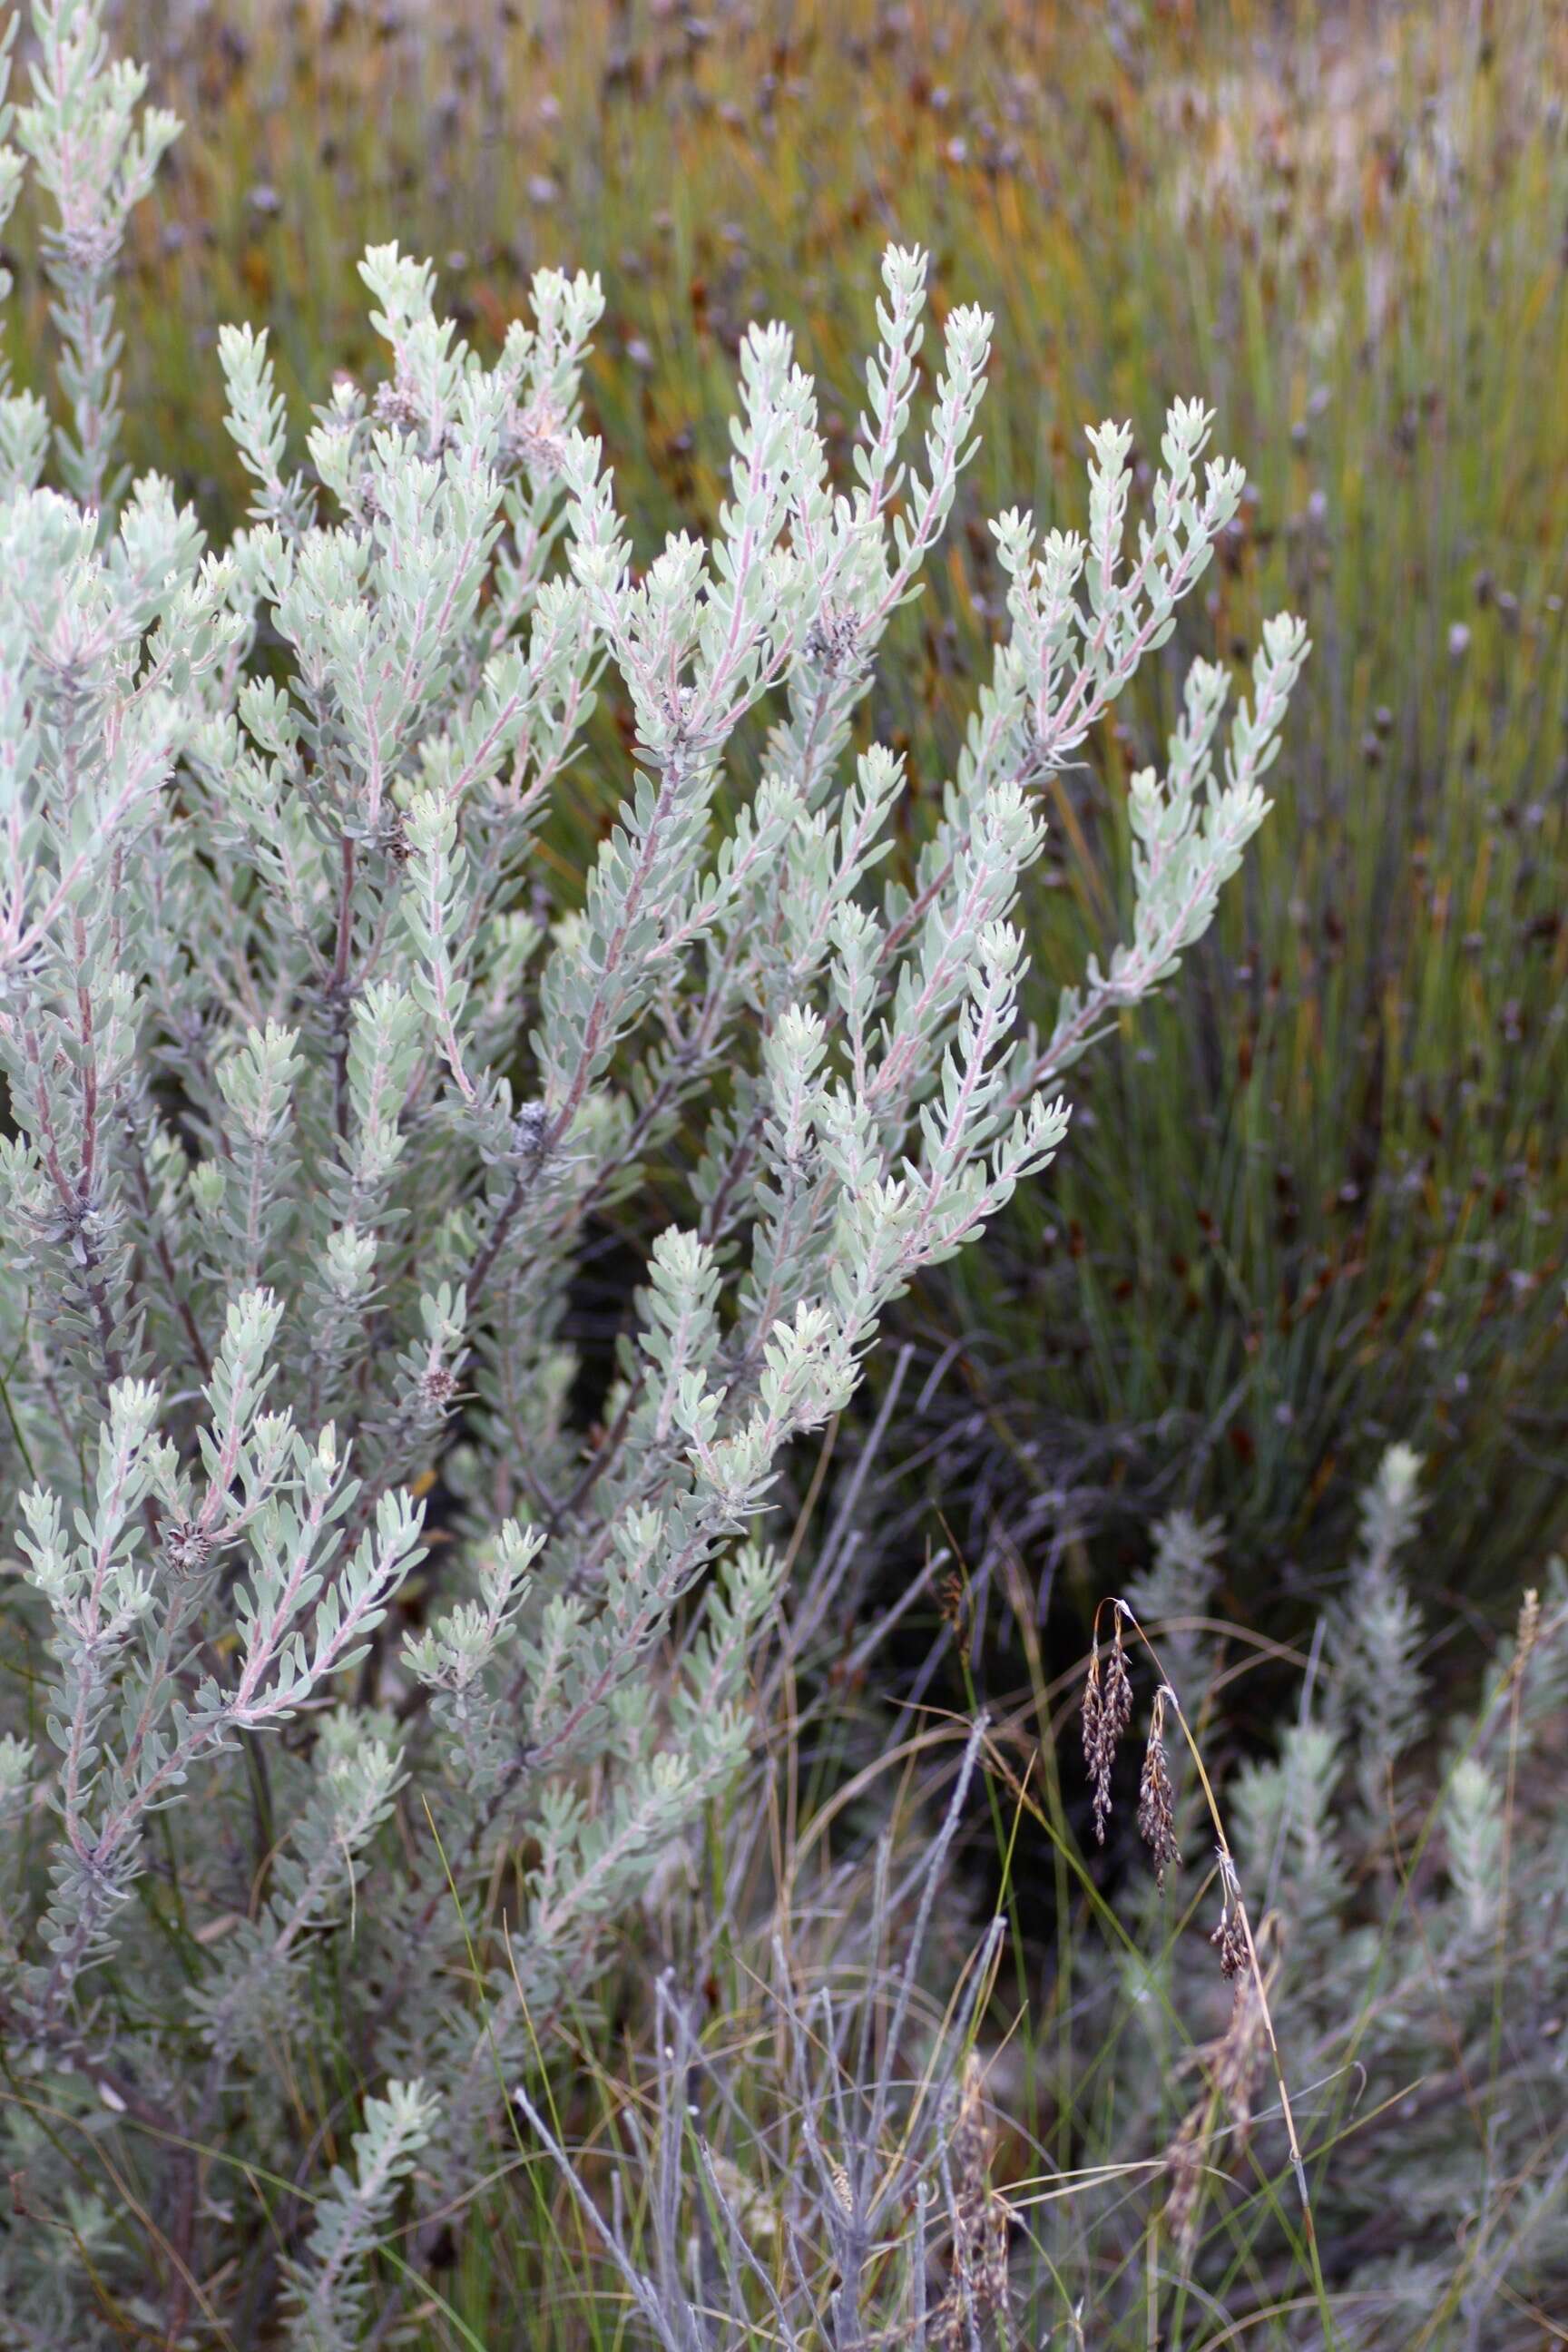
[314,1085]
[1403,1855]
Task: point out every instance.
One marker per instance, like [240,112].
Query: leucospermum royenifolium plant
[312,1093]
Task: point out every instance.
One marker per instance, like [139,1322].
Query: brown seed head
[1107,1710]
[1157,1797]
[1230,1935]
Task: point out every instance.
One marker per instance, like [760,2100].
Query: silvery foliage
[311,1105]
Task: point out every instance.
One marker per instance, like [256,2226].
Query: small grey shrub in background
[1406,1873]
[311,1096]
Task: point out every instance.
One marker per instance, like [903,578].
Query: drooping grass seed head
[1156,1797]
[1107,1711]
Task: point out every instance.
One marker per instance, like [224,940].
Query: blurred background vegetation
[1316,1198]
[1316,1201]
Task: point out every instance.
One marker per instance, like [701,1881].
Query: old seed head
[1156,1797]
[1107,1711]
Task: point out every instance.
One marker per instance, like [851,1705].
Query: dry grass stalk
[1107,1710]
[1232,2065]
[978,2293]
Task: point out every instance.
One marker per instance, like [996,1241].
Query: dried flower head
[529,1133]
[833,641]
[1107,1711]
[367,495]
[185,1548]
[1157,1797]
[539,438]
[395,404]
[1229,1936]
